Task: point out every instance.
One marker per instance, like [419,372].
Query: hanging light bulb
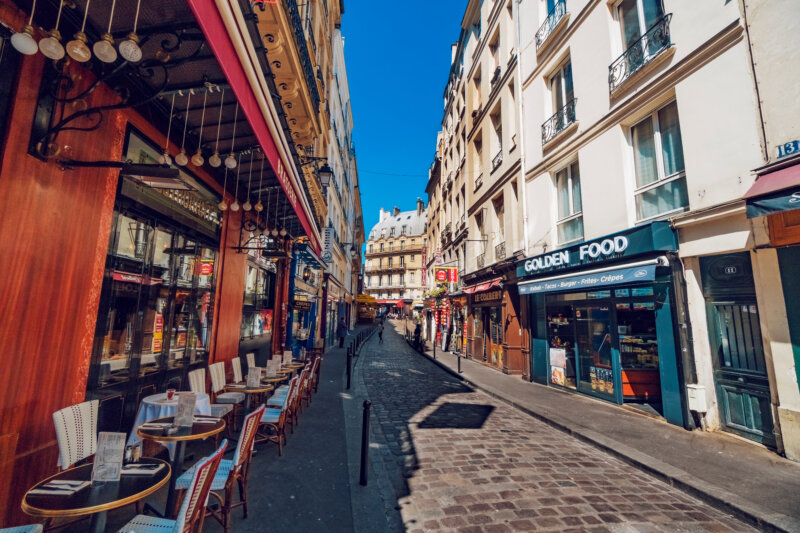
[104,48]
[129,48]
[215,160]
[164,158]
[259,206]
[222,205]
[77,48]
[182,159]
[247,206]
[51,46]
[230,161]
[235,204]
[283,231]
[23,42]
[197,158]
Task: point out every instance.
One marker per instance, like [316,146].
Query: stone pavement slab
[460,460]
[732,474]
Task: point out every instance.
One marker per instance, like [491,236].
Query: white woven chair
[76,431]
[218,394]
[236,363]
[197,383]
[193,509]
[33,528]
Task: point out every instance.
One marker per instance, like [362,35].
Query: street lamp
[325,173]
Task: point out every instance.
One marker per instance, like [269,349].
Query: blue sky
[398,59]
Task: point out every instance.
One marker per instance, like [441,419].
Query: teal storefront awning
[590,280]
[774,192]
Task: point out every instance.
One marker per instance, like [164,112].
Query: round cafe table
[274,379]
[158,406]
[252,392]
[198,431]
[97,499]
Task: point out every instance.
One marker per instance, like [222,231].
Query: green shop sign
[656,236]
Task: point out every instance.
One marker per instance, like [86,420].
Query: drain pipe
[521,106]
[686,363]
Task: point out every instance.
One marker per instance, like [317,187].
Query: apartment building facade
[655,264]
[393,268]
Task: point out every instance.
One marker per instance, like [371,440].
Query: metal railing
[500,251]
[302,50]
[640,53]
[479,180]
[550,23]
[497,160]
[495,78]
[558,122]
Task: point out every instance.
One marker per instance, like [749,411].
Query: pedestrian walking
[380,333]
[341,332]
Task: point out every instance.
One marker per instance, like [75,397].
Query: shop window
[659,165]
[9,61]
[570,208]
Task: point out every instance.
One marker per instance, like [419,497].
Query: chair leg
[243,496]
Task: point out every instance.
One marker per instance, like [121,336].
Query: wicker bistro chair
[236,364]
[251,359]
[192,512]
[76,431]
[316,373]
[311,381]
[197,384]
[275,419]
[231,472]
[33,528]
[218,394]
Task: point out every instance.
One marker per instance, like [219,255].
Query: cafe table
[199,430]
[275,379]
[158,406]
[97,499]
[251,392]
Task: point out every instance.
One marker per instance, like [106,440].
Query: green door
[735,334]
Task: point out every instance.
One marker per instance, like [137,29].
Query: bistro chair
[33,528]
[197,384]
[231,472]
[218,394]
[311,381]
[275,418]
[76,431]
[236,364]
[192,512]
[316,372]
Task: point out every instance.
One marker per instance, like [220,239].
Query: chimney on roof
[396,211]
[384,215]
[420,206]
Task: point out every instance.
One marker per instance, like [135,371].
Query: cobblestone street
[459,460]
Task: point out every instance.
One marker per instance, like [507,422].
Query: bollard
[434,348]
[365,442]
[349,363]
[459,362]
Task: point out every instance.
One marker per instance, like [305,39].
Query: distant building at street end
[393,272]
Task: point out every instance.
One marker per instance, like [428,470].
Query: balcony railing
[497,160]
[550,23]
[500,251]
[480,261]
[446,235]
[479,180]
[558,122]
[640,53]
[302,50]
[495,78]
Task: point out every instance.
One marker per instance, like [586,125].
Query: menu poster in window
[158,332]
[108,458]
[184,411]
[266,320]
[557,375]
[558,364]
[254,377]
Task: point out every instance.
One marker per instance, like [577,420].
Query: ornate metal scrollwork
[555,15]
[559,121]
[640,53]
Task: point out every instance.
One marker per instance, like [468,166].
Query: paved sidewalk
[735,476]
[454,459]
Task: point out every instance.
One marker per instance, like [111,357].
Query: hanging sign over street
[445,274]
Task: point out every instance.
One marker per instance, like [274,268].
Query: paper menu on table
[108,458]
[185,409]
[287,357]
[254,377]
[272,366]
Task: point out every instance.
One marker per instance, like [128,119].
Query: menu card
[254,377]
[185,409]
[272,367]
[108,458]
[287,357]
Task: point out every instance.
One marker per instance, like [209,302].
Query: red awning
[210,21]
[775,181]
[485,286]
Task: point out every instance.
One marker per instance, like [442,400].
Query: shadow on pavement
[457,416]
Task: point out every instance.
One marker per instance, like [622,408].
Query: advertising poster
[557,375]
[158,332]
[558,364]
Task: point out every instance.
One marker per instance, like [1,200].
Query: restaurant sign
[445,274]
[656,236]
[487,296]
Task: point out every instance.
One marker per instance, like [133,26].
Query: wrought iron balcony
[500,251]
[640,53]
[495,77]
[558,122]
[302,50]
[446,235]
[479,180]
[550,23]
[497,160]
[480,261]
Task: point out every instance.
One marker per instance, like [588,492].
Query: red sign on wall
[445,274]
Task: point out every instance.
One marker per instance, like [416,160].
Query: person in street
[341,332]
[417,334]
[380,333]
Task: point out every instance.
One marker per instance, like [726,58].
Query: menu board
[254,377]
[184,412]
[108,458]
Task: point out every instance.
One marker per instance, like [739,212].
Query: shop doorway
[740,372]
